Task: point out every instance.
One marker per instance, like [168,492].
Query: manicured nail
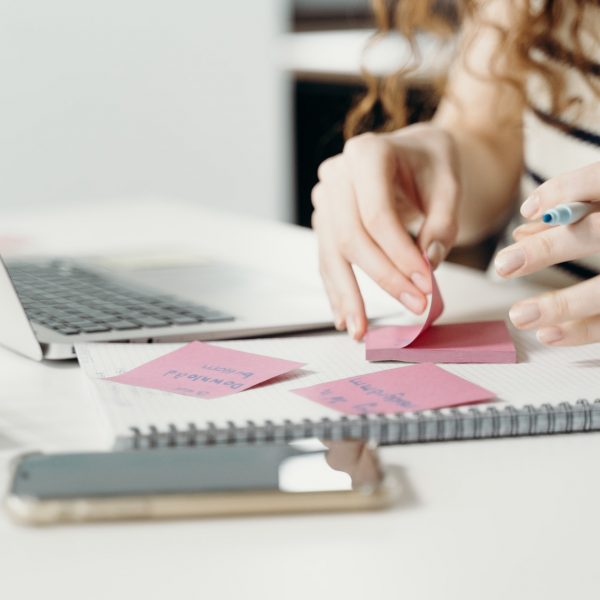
[436,252]
[509,261]
[530,207]
[550,335]
[412,302]
[517,231]
[523,314]
[351,327]
[422,282]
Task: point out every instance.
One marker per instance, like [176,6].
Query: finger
[333,297]
[346,236]
[340,283]
[574,333]
[555,245]
[344,288]
[439,231]
[576,302]
[580,185]
[371,165]
[366,255]
[343,456]
[319,225]
[357,247]
[528,229]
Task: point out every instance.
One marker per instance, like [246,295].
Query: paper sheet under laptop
[542,375]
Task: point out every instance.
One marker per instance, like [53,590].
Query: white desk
[491,519]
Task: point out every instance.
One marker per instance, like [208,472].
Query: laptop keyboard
[72,300]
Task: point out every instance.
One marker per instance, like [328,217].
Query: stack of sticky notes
[479,342]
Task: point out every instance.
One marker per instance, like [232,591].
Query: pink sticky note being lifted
[206,371]
[403,389]
[478,342]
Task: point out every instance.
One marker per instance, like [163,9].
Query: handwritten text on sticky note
[403,389]
[206,371]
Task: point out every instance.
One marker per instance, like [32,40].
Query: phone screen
[340,466]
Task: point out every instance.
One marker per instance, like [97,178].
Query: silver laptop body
[229,301]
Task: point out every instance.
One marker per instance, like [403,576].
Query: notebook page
[326,357]
[543,375]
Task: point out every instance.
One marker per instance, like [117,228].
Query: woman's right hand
[365,201]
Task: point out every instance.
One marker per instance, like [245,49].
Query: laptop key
[73,299]
[167,315]
[95,328]
[67,330]
[184,320]
[148,321]
[83,324]
[211,315]
[97,314]
[122,325]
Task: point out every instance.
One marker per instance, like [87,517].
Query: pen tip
[547,218]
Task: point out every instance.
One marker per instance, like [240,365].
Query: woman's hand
[569,316]
[365,201]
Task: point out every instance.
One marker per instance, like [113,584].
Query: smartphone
[198,482]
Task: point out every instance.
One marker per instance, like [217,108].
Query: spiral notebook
[548,391]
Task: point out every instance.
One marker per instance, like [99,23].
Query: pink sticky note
[436,308]
[206,371]
[482,342]
[403,389]
[478,342]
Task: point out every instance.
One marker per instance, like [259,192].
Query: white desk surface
[491,519]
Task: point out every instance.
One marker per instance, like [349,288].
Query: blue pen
[567,214]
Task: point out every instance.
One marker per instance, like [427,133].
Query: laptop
[49,305]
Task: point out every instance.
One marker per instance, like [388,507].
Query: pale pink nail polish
[412,302]
[351,327]
[530,207]
[421,282]
[508,261]
[550,335]
[523,314]
[436,253]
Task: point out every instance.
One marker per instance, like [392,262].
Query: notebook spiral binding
[400,428]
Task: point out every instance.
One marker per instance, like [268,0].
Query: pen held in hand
[569,213]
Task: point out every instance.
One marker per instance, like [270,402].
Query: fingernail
[509,261]
[422,282]
[550,335]
[436,253]
[412,302]
[522,314]
[530,207]
[339,322]
[517,231]
[351,327]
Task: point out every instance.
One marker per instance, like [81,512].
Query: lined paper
[542,375]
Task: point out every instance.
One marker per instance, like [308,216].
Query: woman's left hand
[569,316]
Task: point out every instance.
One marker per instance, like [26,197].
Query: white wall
[119,98]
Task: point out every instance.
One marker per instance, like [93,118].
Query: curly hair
[533,36]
